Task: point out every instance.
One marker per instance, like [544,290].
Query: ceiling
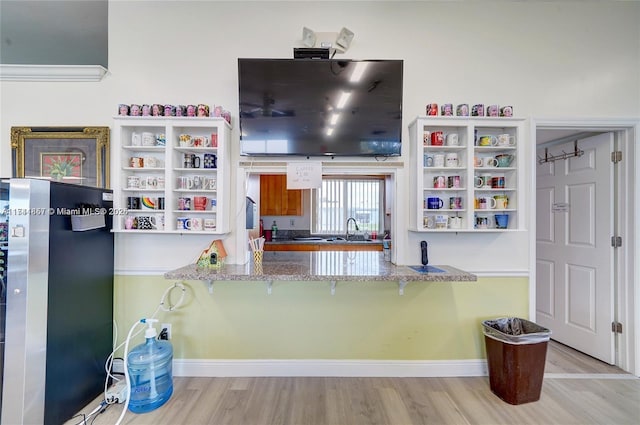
[75,32]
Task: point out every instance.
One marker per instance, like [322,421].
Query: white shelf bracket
[333,287]
[209,285]
[401,284]
[269,286]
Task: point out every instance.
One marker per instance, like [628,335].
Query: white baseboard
[330,368]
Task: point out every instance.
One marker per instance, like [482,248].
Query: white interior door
[574,256]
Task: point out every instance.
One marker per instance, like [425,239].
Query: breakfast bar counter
[321,266]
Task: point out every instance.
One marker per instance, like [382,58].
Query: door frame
[627,293]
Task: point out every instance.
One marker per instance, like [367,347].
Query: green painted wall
[302,320]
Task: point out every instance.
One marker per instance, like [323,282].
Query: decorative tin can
[123,109]
[432,109]
[157,110]
[181,111]
[462,110]
[506,111]
[136,110]
[203,110]
[169,111]
[191,110]
[446,110]
[477,110]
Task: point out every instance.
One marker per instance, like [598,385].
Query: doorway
[579,297]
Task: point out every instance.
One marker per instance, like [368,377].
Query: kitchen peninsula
[321,266]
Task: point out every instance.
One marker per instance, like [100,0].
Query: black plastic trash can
[516,354]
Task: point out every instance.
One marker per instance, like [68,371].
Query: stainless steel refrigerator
[56,306]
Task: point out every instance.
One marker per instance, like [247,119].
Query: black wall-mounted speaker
[310,53]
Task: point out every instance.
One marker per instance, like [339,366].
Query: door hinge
[616,156]
[616,327]
[616,241]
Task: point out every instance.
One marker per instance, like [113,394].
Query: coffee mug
[148,203]
[185,140]
[452,139]
[201,141]
[150,161]
[489,161]
[426,138]
[478,161]
[483,180]
[146,223]
[462,110]
[196,224]
[210,160]
[477,110]
[133,202]
[482,222]
[198,182]
[439,182]
[183,223]
[432,109]
[136,139]
[504,160]
[493,111]
[184,182]
[130,222]
[209,224]
[446,110]
[502,221]
[438,160]
[209,183]
[199,203]
[487,140]
[506,111]
[184,204]
[451,159]
[455,222]
[506,140]
[148,139]
[497,182]
[442,221]
[437,138]
[434,203]
[455,203]
[133,182]
[453,181]
[160,182]
[485,203]
[428,222]
[502,201]
[136,162]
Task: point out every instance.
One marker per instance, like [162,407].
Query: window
[340,198]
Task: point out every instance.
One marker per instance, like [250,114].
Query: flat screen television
[320,107]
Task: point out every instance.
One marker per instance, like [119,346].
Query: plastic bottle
[274,230]
[149,367]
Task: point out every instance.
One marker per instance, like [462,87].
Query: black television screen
[320,107]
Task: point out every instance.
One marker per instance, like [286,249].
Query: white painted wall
[547,59]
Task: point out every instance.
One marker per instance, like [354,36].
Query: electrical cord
[165,306]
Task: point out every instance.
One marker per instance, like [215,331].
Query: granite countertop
[320,266]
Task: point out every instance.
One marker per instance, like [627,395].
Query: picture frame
[77,155]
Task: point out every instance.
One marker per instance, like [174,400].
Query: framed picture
[78,155]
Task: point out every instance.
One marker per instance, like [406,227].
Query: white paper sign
[304,175]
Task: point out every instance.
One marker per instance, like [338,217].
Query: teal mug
[504,160]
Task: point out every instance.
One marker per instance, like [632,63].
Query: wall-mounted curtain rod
[563,155]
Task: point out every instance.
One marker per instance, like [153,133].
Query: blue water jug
[150,375]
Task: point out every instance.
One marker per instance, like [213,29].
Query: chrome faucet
[355,224]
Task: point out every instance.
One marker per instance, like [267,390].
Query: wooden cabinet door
[275,199]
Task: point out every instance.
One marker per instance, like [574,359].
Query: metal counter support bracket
[333,287]
[401,284]
[269,286]
[210,285]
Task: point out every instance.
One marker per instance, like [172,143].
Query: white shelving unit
[167,168]
[471,169]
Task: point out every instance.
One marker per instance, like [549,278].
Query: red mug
[437,138]
[200,203]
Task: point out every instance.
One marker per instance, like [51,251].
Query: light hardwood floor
[576,390]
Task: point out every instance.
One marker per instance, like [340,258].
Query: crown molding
[88,73]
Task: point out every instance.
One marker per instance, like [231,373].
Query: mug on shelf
[487,140]
[483,180]
[133,182]
[453,182]
[502,221]
[184,204]
[439,182]
[451,159]
[442,221]
[426,138]
[209,224]
[477,110]
[485,203]
[452,139]
[438,160]
[148,139]
[136,139]
[434,203]
[183,223]
[130,222]
[147,223]
[504,160]
[455,222]
[428,222]
[185,140]
[133,202]
[493,111]
[437,138]
[482,222]
[506,140]
[497,182]
[446,110]
[196,224]
[455,203]
[149,203]
[199,203]
[462,110]
[502,201]
[489,162]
